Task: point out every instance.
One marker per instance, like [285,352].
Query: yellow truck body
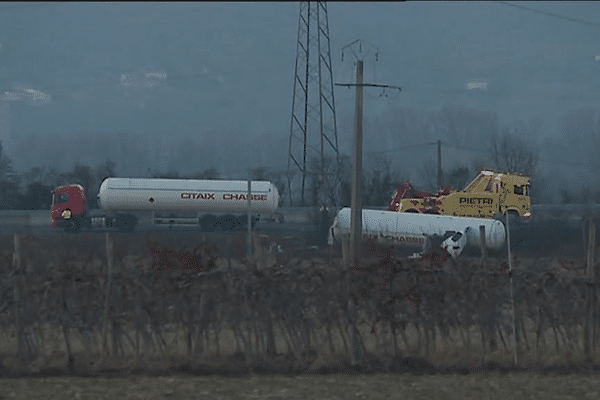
[489,195]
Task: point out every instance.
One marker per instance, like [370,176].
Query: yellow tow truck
[490,195]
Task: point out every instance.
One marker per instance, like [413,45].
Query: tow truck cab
[68,205]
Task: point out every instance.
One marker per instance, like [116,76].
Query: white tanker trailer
[415,230]
[209,204]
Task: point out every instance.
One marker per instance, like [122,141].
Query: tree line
[31,190]
[514,149]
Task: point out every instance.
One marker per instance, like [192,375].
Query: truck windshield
[60,198]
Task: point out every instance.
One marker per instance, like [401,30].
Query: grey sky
[202,70]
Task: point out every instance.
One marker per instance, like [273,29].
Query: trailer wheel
[228,222]
[207,223]
[125,223]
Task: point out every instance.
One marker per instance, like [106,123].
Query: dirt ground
[380,386]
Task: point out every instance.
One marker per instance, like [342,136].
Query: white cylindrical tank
[129,194]
[408,228]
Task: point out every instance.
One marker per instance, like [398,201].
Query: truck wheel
[432,212]
[207,223]
[412,210]
[74,226]
[514,217]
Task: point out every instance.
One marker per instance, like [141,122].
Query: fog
[198,85]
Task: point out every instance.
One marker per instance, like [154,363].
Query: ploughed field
[187,313]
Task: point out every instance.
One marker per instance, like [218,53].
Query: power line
[397,149]
[579,21]
[472,149]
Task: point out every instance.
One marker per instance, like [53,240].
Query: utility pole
[439,164]
[356,203]
[440,175]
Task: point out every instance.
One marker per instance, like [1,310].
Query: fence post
[259,255]
[345,256]
[249,217]
[483,244]
[109,270]
[483,265]
[591,292]
[512,298]
[17,286]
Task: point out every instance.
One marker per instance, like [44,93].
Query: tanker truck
[211,205]
[418,230]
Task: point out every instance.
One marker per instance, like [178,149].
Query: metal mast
[309,113]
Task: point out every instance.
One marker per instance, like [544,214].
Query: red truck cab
[68,205]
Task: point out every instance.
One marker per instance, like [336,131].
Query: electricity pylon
[310,112]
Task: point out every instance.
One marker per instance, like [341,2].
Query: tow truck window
[488,188]
[526,190]
[519,190]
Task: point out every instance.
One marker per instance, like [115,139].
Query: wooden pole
[345,256]
[439,164]
[512,298]
[107,296]
[17,296]
[356,200]
[483,245]
[249,241]
[591,292]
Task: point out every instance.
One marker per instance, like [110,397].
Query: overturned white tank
[413,229]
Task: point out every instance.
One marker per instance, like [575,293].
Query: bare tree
[325,188]
[278,178]
[458,177]
[579,127]
[105,170]
[209,173]
[513,153]
[258,174]
[479,163]
[380,181]
[428,174]
[172,173]
[463,125]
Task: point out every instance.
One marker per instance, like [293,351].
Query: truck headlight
[66,214]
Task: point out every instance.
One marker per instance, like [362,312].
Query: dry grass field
[232,355]
[491,386]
